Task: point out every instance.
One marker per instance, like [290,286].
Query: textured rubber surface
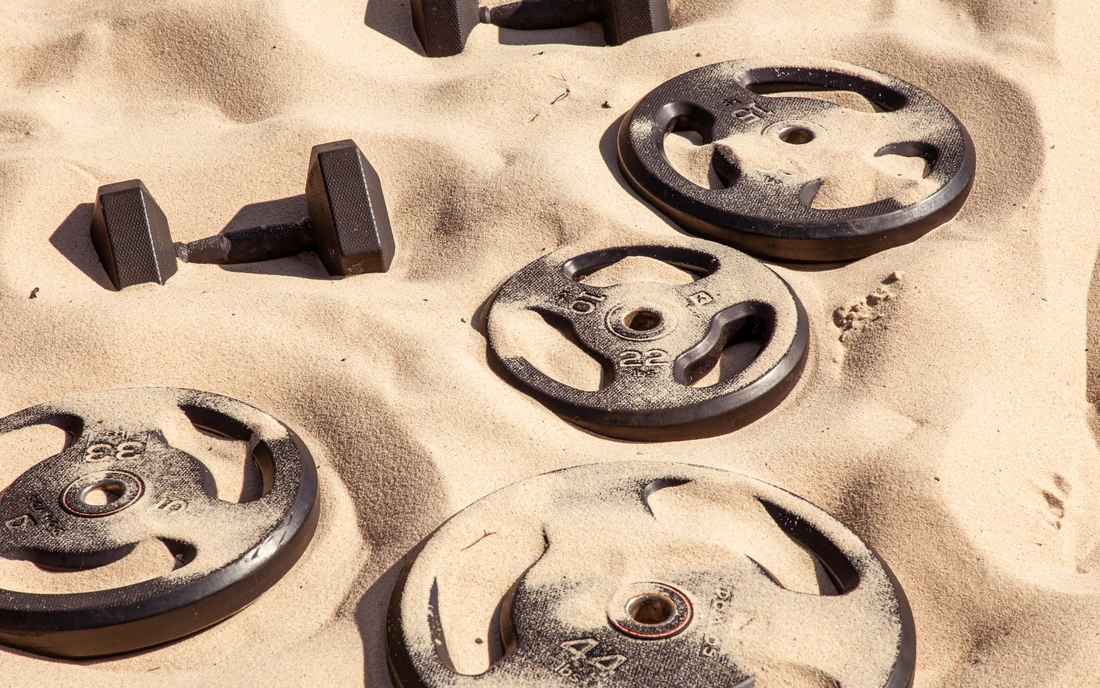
[130,234]
[347,211]
[443,25]
[768,213]
[228,553]
[649,396]
[625,20]
[538,584]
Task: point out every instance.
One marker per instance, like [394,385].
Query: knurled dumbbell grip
[249,245]
[527,15]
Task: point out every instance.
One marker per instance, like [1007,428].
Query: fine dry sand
[951,425]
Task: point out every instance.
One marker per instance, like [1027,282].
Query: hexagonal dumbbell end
[130,234]
[624,20]
[443,25]
[348,219]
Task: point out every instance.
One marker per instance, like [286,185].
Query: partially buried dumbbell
[443,25]
[348,226]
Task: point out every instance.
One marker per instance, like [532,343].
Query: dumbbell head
[347,212]
[624,20]
[130,234]
[443,25]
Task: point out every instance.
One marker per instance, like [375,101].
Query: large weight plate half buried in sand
[773,154]
[118,483]
[655,339]
[649,574]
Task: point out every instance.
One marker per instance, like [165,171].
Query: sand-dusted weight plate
[771,150]
[647,574]
[655,339]
[226,553]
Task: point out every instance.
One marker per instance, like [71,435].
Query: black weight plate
[650,370]
[647,574]
[229,553]
[768,212]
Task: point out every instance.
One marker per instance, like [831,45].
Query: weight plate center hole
[650,609]
[102,493]
[796,135]
[642,320]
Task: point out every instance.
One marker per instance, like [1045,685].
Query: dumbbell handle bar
[527,15]
[249,245]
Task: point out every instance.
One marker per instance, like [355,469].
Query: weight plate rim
[86,626]
[703,418]
[834,240]
[399,660]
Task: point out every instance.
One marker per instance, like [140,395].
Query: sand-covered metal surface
[562,555]
[118,485]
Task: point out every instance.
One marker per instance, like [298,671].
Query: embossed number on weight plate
[171,506]
[104,451]
[632,358]
[580,651]
[746,111]
[586,302]
[701,298]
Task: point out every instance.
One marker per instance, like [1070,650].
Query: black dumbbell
[443,25]
[348,226]
[130,234]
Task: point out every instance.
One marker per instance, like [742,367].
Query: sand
[955,430]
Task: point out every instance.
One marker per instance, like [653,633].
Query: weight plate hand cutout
[774,153]
[656,339]
[647,574]
[227,553]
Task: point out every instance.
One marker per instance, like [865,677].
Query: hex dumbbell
[443,25]
[130,234]
[348,226]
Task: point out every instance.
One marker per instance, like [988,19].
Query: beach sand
[952,426]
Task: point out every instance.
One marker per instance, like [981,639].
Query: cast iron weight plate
[655,339]
[768,212]
[645,574]
[230,553]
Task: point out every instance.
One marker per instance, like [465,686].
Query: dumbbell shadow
[391,18]
[283,211]
[588,33]
[71,240]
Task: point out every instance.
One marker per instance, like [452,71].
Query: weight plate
[656,339]
[227,553]
[768,211]
[647,574]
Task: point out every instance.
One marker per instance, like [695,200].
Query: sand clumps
[854,316]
